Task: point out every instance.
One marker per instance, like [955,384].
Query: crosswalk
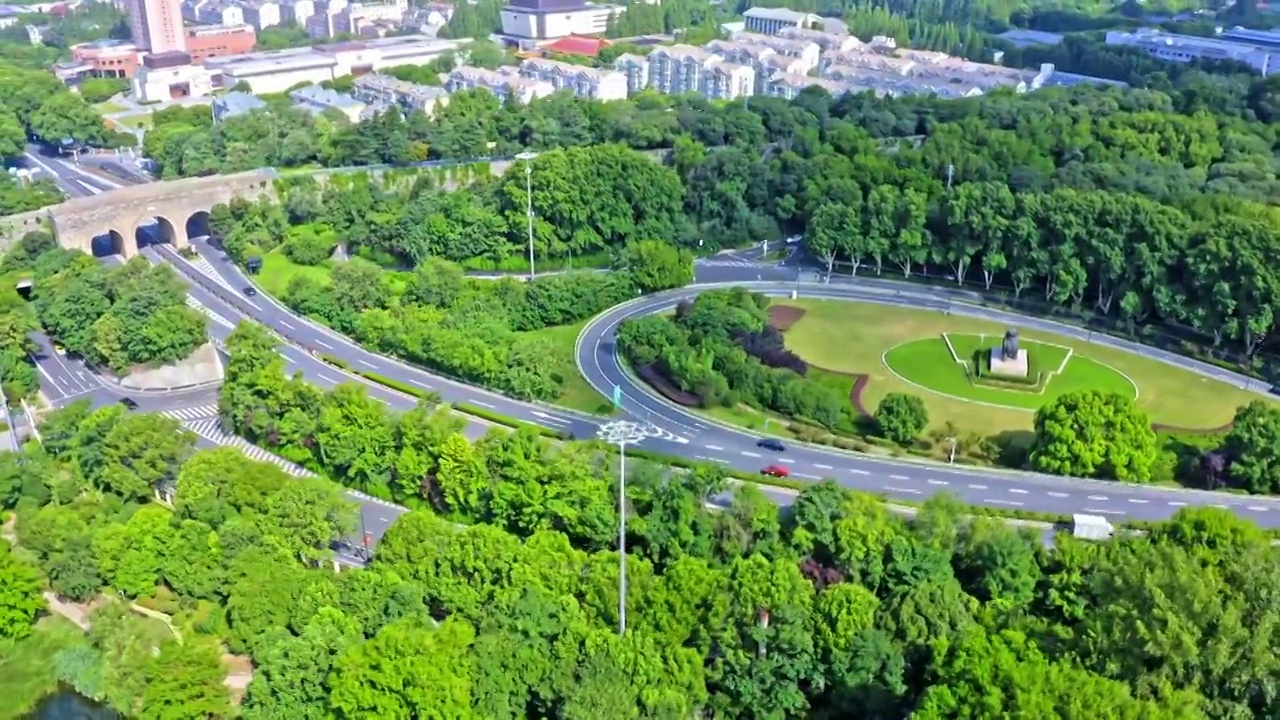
[200,307]
[730,262]
[211,429]
[200,412]
[206,268]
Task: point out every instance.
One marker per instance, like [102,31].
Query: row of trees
[117,317]
[1121,256]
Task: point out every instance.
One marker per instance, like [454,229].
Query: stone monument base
[1017,367]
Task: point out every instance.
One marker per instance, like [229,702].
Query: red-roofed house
[577,45]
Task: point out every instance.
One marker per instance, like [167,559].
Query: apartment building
[316,99]
[636,69]
[212,12]
[679,69]
[788,85]
[262,14]
[235,103]
[298,12]
[1185,48]
[582,81]
[503,84]
[771,21]
[764,60]
[384,90]
[805,51]
[826,41]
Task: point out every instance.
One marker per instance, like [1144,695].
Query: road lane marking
[1100,511]
[901,490]
[1058,495]
[750,454]
[714,447]
[367,364]
[1177,503]
[327,378]
[1220,506]
[1017,491]
[1137,501]
[1100,498]
[323,344]
[860,472]
[817,465]
[806,477]
[977,487]
[993,501]
[938,482]
[483,404]
[788,461]
[1256,508]
[899,477]
[286,324]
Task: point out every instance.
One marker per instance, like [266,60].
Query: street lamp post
[623,433]
[528,157]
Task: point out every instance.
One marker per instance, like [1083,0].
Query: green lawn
[133,122]
[108,107]
[27,673]
[575,392]
[849,337]
[278,270]
[929,363]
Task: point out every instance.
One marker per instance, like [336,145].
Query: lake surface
[67,705]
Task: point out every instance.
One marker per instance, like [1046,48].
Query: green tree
[1096,435]
[901,417]
[1251,444]
[20,599]
[657,265]
[185,680]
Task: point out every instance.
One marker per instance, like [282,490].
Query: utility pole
[528,157]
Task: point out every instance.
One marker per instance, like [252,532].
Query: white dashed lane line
[1058,495]
[1256,508]
[977,487]
[860,472]
[908,491]
[938,482]
[750,454]
[714,447]
[1100,511]
[1014,503]
[1017,491]
[823,467]
[1177,503]
[899,477]
[1137,501]
[1099,498]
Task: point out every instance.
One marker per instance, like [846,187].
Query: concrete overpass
[114,216]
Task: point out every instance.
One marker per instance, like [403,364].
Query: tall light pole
[623,433]
[528,157]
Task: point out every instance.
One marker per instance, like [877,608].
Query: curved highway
[897,478]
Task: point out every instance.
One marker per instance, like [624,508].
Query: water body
[68,705]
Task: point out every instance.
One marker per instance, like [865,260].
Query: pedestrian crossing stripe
[192,413]
[211,429]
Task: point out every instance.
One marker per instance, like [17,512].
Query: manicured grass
[108,107]
[851,337]
[575,392]
[928,363]
[278,270]
[27,672]
[134,122]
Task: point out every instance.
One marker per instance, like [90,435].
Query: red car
[777,471]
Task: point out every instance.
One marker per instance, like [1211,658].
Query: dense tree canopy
[118,317]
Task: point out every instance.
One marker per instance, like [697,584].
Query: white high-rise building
[157,25]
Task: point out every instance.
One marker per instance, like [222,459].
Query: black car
[250,291]
[772,444]
[129,403]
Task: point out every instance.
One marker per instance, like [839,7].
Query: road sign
[617,396]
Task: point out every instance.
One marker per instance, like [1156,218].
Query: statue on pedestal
[1009,348]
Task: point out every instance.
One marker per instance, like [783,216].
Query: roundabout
[712,440]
